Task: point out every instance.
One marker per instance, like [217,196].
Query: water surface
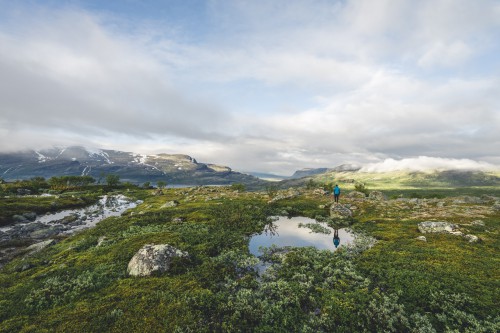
[288,233]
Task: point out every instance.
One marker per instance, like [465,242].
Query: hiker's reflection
[336,238]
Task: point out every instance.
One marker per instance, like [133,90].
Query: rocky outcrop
[340,212]
[154,259]
[437,227]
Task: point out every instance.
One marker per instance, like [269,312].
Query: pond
[296,231]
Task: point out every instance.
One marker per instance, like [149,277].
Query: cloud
[425,163]
[268,86]
[66,71]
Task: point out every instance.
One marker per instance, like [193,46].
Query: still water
[289,233]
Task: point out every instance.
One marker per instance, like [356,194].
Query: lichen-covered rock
[421,238]
[340,212]
[436,227]
[37,247]
[356,195]
[170,204]
[153,259]
[472,238]
[478,223]
[376,195]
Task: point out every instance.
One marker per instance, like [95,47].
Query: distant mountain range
[177,169]
[132,167]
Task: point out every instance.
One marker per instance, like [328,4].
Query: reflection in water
[336,238]
[286,232]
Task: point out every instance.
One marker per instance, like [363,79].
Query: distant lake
[288,233]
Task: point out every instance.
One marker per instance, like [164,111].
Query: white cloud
[425,163]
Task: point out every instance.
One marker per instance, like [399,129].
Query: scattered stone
[177,220]
[478,223]
[377,195]
[472,238]
[37,247]
[356,195]
[47,232]
[153,259]
[421,238]
[436,227]
[440,204]
[158,192]
[170,204]
[496,206]
[468,200]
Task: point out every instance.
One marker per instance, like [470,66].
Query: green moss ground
[398,285]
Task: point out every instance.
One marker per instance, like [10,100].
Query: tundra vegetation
[387,281]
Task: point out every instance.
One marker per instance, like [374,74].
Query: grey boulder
[154,259]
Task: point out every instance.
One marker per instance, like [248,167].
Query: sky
[260,85]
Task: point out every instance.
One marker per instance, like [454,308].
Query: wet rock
[377,195]
[170,204]
[47,232]
[436,227]
[31,216]
[472,238]
[19,219]
[152,259]
[37,247]
[421,238]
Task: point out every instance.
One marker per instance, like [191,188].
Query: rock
[19,219]
[31,216]
[37,247]
[421,238]
[477,223]
[153,259]
[101,240]
[467,200]
[440,204]
[377,195]
[340,212]
[47,232]
[472,238]
[436,227]
[496,206]
[356,195]
[170,204]
[320,191]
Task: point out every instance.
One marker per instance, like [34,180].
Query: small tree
[161,184]
[310,184]
[146,184]
[112,180]
[238,187]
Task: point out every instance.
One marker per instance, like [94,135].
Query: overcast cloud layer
[270,86]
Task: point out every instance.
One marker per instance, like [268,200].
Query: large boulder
[340,212]
[376,195]
[437,227]
[152,259]
[37,247]
[356,195]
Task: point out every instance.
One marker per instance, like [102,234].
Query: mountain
[347,175]
[132,167]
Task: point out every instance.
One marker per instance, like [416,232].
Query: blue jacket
[336,190]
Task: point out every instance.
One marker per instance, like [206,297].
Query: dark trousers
[336,197]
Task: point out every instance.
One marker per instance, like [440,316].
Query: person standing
[336,193]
